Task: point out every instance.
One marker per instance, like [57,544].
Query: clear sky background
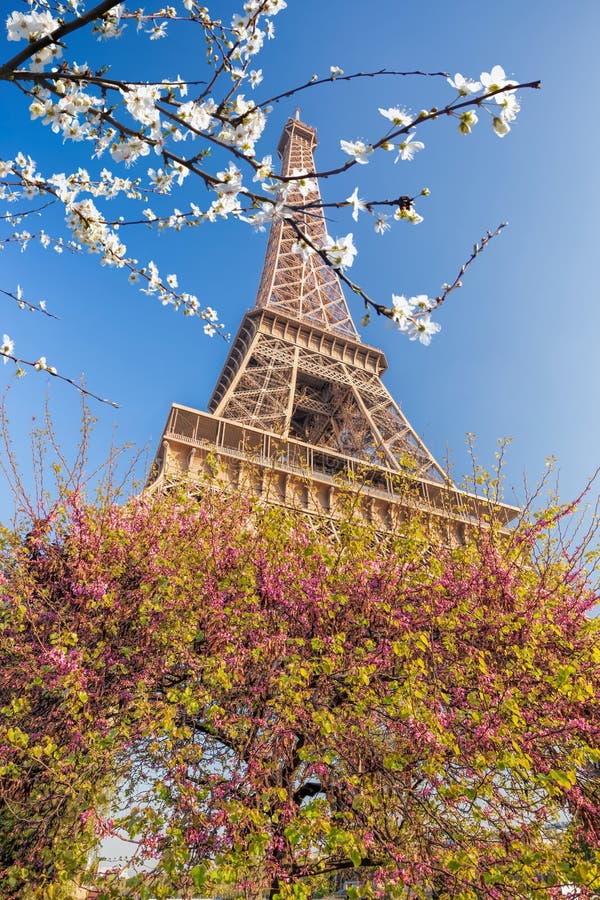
[518,352]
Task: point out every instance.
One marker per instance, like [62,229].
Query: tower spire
[304,288]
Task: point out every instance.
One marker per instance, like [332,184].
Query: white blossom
[158,30]
[255,77]
[249,124]
[356,203]
[230,180]
[304,185]
[464,86]
[495,80]
[409,213]
[422,329]
[501,126]
[301,248]
[6,347]
[408,148]
[422,303]
[272,7]
[110,25]
[128,151]
[382,223]
[269,212]
[358,150]
[402,311]
[140,101]
[29,26]
[178,84]
[510,106]
[340,252]
[265,169]
[396,115]
[40,365]
[468,119]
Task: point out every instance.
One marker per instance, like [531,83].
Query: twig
[99,80]
[379,308]
[434,113]
[27,305]
[477,249]
[26,212]
[50,371]
[314,82]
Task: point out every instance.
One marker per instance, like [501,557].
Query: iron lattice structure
[300,370]
[300,403]
[304,289]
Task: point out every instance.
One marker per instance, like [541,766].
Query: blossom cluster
[164,134]
[30,27]
[412,316]
[494,86]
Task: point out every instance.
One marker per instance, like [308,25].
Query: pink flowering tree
[136,149]
[247,702]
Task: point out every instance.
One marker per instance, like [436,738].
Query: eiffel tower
[300,402]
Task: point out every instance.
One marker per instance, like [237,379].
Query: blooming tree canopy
[148,140]
[254,704]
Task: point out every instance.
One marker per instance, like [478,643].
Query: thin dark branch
[379,308]
[308,789]
[24,303]
[116,84]
[50,371]
[434,113]
[477,249]
[313,83]
[26,212]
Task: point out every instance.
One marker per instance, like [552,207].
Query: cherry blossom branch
[24,304]
[231,124]
[381,309]
[227,57]
[27,212]
[404,202]
[55,36]
[477,249]
[433,114]
[40,365]
[115,84]
[313,82]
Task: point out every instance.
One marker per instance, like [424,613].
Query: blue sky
[517,355]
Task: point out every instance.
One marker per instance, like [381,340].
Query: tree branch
[314,82]
[55,36]
[50,370]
